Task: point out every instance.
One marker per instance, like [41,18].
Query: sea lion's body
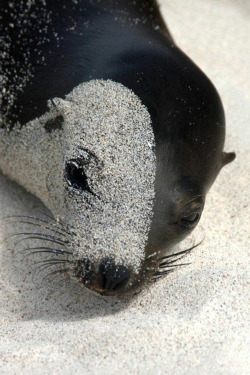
[127,42]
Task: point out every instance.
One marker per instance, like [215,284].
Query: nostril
[114,276]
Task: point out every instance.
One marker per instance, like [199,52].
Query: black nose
[114,276]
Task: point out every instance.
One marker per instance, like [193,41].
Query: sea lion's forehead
[111,122]
[108,110]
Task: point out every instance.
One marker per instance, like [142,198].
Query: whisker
[166,265]
[36,224]
[154,279]
[61,282]
[51,217]
[173,261]
[182,252]
[169,264]
[43,249]
[40,236]
[53,260]
[43,267]
[62,270]
[46,264]
[163,273]
[50,261]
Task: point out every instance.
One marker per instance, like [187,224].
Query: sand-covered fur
[106,129]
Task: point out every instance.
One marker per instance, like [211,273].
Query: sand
[195,321]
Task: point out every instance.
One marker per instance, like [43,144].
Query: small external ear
[59,104]
[227,157]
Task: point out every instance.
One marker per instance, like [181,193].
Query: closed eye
[76,176]
[190,220]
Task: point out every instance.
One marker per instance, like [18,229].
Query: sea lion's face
[108,183]
[126,200]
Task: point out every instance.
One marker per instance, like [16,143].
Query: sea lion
[114,128]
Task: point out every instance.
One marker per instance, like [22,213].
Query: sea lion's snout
[104,277]
[113,277]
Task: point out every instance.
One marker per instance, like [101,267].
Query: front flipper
[227,157]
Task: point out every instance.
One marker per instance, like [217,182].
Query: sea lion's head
[124,199]
[105,184]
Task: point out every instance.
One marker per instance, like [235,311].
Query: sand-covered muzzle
[106,134]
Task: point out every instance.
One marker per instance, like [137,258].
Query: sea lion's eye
[190,221]
[76,176]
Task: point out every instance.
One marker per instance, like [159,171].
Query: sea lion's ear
[227,157]
[60,104]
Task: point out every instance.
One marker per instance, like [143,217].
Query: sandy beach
[196,320]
